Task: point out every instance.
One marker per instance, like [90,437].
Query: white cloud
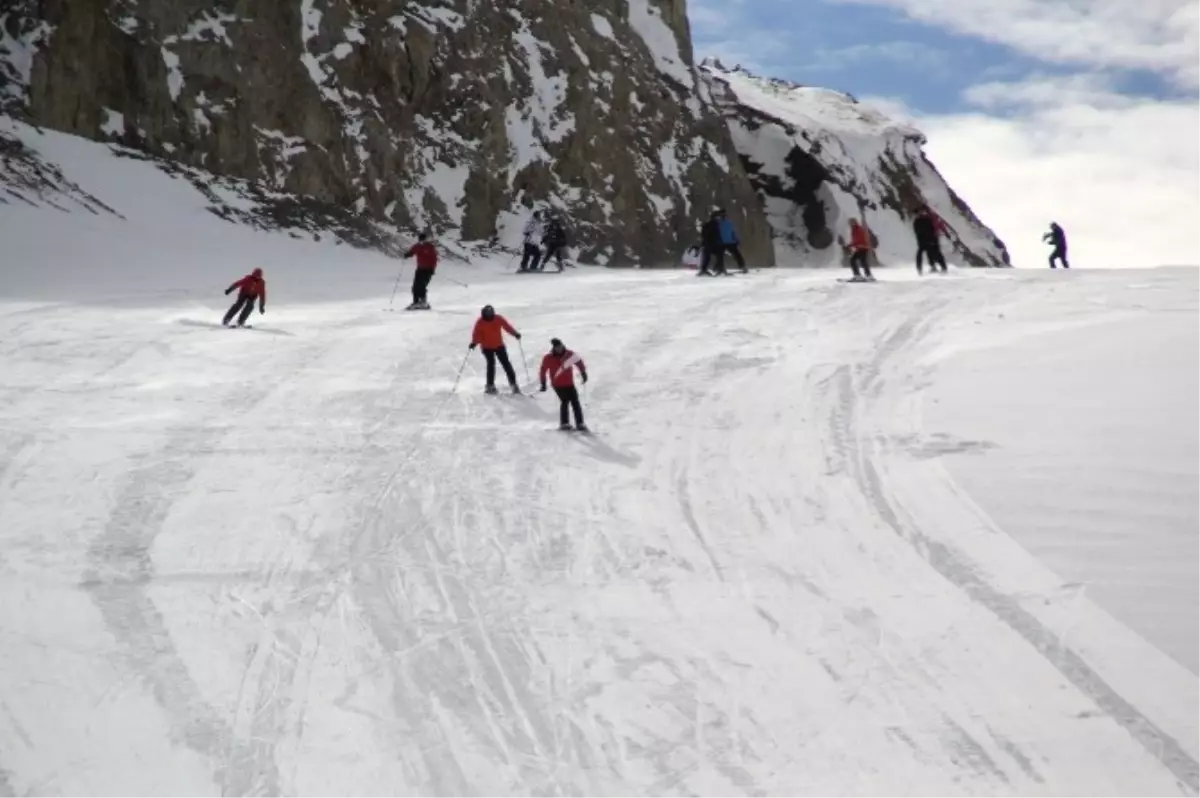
[1119,173]
[1156,35]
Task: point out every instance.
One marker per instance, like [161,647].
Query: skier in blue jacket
[719,238]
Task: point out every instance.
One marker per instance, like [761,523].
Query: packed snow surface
[303,559]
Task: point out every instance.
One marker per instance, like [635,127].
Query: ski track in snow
[295,563]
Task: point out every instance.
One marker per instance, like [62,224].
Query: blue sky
[877,50]
[1078,110]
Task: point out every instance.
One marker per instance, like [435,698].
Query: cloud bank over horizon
[1084,113]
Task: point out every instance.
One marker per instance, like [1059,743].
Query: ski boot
[581,428]
[565,427]
[490,390]
[516,389]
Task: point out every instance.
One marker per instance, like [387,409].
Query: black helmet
[488,311]
[555,343]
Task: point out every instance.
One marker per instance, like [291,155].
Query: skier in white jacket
[533,237]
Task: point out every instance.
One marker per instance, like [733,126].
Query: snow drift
[819,158]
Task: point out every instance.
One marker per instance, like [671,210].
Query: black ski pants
[555,251]
[569,399]
[718,252]
[501,354]
[860,262]
[933,250]
[420,286]
[245,304]
[529,260]
[1059,253]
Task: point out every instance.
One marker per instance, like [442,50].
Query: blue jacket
[728,235]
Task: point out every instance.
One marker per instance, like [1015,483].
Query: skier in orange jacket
[489,334]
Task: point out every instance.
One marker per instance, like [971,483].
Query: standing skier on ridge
[927,229]
[489,333]
[860,252]
[559,363]
[729,239]
[250,287]
[710,236]
[532,235]
[427,261]
[1058,237]
[554,239]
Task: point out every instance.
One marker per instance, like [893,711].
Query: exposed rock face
[818,158]
[459,115]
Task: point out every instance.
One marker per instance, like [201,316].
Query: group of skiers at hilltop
[718,238]
[929,228]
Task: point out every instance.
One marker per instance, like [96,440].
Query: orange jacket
[490,334]
[561,368]
[859,238]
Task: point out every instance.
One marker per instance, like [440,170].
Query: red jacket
[561,368]
[859,238]
[490,334]
[252,285]
[426,253]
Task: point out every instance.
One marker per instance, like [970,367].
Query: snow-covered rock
[455,115]
[819,157]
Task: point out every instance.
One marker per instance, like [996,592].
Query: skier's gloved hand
[517,336]
[543,387]
[584,377]
[227,290]
[472,346]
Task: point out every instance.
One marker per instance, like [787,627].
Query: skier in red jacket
[559,364]
[860,252]
[427,261]
[250,287]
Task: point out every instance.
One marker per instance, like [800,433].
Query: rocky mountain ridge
[359,117]
[819,157]
[458,116]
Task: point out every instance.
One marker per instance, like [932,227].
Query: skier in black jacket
[1058,238]
[714,245]
[926,229]
[554,240]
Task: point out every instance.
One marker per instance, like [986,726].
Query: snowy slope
[819,158]
[296,560]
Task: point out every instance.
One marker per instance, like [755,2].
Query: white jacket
[533,231]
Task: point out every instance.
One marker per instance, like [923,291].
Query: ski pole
[396,287]
[456,282]
[524,362]
[460,370]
